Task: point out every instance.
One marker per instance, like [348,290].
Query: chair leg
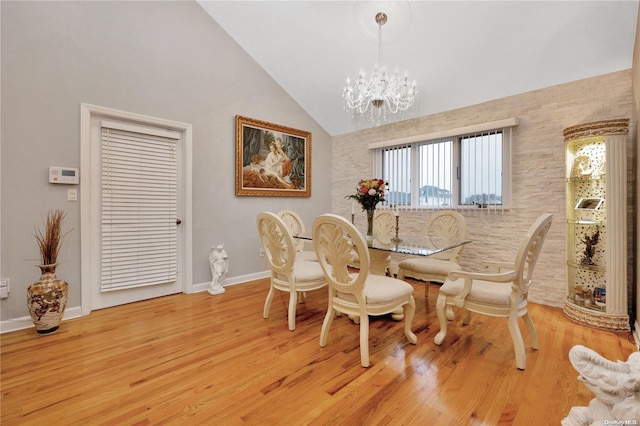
[293,299]
[450,315]
[267,303]
[532,330]
[364,341]
[441,304]
[518,343]
[326,324]
[409,312]
[466,319]
[400,275]
[398,314]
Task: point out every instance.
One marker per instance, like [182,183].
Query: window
[435,187]
[464,170]
[481,170]
[396,170]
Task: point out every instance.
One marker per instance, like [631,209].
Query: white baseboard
[25,322]
[232,281]
[75,312]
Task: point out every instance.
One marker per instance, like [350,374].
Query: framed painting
[272,160]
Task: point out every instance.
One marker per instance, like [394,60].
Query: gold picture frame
[272,160]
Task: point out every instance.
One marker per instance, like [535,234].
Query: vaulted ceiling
[460,53]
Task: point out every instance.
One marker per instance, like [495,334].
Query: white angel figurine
[219,261]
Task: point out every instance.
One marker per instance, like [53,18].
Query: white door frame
[88,275]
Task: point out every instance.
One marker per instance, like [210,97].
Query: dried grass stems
[50,240]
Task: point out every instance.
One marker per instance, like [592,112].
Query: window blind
[138,206]
[436,176]
[481,170]
[396,171]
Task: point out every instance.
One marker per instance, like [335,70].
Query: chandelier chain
[380,44]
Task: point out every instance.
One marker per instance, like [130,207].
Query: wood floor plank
[202,359]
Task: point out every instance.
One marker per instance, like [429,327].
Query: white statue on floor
[219,261]
[616,386]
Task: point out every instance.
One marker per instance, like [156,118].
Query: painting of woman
[272,163]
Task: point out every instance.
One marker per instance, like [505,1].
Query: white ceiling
[459,52]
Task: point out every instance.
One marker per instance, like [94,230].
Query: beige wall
[538,159]
[165,59]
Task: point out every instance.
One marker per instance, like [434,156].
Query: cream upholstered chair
[356,294]
[296,228]
[384,226]
[287,273]
[501,293]
[441,229]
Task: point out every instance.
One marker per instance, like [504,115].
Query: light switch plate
[72,194]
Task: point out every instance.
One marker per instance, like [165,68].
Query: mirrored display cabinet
[596,174]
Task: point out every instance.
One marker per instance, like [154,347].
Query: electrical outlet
[261,252]
[4,289]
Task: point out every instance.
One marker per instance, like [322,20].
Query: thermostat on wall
[66,175]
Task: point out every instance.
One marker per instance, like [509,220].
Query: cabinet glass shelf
[586,179]
[586,222]
[595,268]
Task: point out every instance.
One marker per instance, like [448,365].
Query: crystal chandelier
[385,93]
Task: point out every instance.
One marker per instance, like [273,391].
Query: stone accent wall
[538,170]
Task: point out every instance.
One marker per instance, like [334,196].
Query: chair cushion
[306,255]
[483,292]
[429,266]
[306,271]
[381,289]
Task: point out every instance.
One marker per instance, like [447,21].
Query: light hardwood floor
[201,359]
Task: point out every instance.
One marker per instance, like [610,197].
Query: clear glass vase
[370,214]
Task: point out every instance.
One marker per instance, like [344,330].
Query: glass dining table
[380,248]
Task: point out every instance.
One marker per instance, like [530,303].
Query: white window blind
[481,170]
[396,171]
[138,206]
[436,176]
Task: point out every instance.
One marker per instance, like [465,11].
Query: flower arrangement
[370,193]
[50,240]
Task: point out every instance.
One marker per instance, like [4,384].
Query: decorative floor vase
[46,300]
[370,215]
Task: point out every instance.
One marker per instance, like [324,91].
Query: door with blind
[136,205]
